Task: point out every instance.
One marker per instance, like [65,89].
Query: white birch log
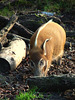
[11,56]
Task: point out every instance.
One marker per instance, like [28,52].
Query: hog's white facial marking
[41,63]
[40,30]
[44,45]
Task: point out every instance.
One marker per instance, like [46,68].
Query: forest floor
[13,82]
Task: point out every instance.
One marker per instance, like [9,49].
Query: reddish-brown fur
[54,47]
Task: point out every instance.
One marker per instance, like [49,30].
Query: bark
[11,56]
[18,29]
[26,23]
[3,21]
[21,30]
[10,36]
[7,28]
[52,83]
[5,40]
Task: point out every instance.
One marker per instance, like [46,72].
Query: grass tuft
[31,94]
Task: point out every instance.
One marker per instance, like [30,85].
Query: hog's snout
[39,68]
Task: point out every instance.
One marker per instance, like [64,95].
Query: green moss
[40,21]
[6,12]
[59,5]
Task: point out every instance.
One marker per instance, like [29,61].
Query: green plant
[6,12]
[23,1]
[31,94]
[56,5]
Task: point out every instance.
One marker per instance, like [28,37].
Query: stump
[11,56]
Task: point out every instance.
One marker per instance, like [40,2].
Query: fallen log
[7,28]
[3,21]
[52,83]
[18,29]
[11,56]
[10,36]
[21,29]
[5,40]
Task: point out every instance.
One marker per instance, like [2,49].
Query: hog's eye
[42,62]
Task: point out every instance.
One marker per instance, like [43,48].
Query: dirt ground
[11,83]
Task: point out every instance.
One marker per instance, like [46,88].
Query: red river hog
[46,45]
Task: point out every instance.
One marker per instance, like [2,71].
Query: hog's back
[56,44]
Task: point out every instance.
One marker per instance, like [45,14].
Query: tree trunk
[11,56]
[52,83]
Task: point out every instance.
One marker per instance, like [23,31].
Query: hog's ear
[44,45]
